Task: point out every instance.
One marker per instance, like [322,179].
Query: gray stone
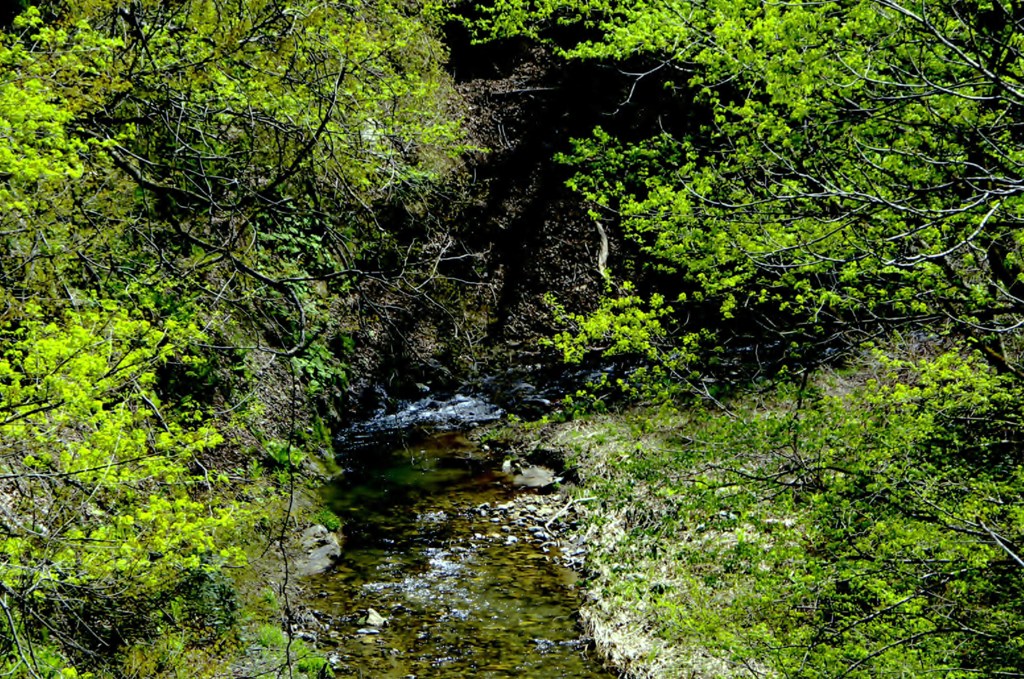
[535,477]
[375,619]
[318,550]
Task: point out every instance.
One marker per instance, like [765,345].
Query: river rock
[375,619]
[318,550]
[535,477]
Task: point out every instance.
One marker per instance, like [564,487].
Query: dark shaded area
[526,237]
[11,9]
[524,234]
[526,106]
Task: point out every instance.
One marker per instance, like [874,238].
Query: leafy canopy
[97,495]
[822,167]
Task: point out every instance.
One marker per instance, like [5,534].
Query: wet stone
[374,619]
[318,550]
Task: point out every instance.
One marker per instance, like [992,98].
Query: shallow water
[463,597]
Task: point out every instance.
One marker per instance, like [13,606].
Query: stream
[457,558]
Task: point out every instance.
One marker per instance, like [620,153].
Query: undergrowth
[844,524]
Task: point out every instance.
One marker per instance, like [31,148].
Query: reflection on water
[463,595]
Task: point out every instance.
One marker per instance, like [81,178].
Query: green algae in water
[463,598]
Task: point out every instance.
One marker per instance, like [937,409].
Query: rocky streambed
[454,565]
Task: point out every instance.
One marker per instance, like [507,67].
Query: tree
[237,150]
[100,511]
[823,174]
[180,180]
[847,167]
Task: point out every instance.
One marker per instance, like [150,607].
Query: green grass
[271,637]
[798,532]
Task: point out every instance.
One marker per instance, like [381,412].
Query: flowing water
[432,546]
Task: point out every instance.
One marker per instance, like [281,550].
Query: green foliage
[294,122]
[842,168]
[819,173]
[829,529]
[271,636]
[321,370]
[52,77]
[284,454]
[207,595]
[168,166]
[328,519]
[270,598]
[312,665]
[622,322]
[95,474]
[38,106]
[321,434]
[276,644]
[171,656]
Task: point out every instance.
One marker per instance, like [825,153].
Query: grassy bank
[848,524]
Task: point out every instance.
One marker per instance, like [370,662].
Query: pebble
[527,517]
